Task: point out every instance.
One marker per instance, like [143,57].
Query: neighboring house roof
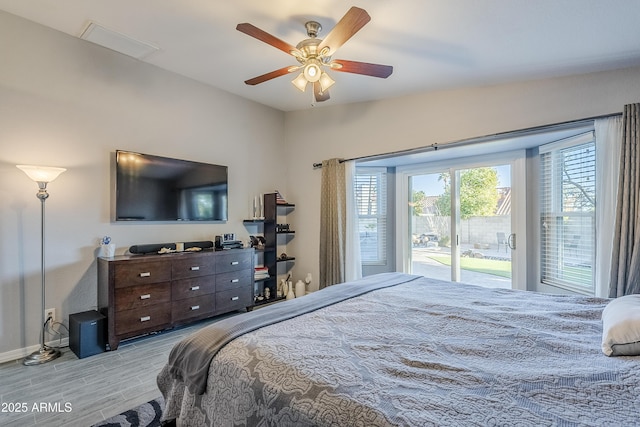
[429,204]
[504,202]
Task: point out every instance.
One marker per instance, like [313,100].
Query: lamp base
[44,355]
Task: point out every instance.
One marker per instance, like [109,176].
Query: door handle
[511,241]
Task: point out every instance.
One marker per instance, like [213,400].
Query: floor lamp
[42,175]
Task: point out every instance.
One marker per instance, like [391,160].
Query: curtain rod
[460,143]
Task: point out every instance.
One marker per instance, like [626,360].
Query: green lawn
[487,266]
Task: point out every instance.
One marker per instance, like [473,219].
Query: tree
[418,202]
[478,194]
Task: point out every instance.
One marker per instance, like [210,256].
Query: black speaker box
[155,247]
[87,333]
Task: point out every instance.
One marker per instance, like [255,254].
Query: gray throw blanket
[189,360]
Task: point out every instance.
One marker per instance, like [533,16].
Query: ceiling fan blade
[374,70]
[351,23]
[253,31]
[319,94]
[272,75]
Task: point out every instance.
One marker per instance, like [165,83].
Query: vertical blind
[567,213]
[371,204]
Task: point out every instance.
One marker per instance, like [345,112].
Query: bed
[403,350]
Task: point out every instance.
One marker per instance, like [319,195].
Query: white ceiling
[432,44]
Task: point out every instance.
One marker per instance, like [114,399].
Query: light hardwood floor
[81,392]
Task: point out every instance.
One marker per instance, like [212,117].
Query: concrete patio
[425,266]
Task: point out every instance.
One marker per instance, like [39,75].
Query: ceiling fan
[314,55]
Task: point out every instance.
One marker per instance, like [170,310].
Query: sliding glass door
[460,222]
[430,225]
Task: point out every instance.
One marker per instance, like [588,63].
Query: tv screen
[154,188]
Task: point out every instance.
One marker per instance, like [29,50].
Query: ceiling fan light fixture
[300,82]
[325,81]
[312,72]
[314,55]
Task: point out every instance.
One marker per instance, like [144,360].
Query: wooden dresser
[140,294]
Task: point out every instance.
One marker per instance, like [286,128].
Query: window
[567,213]
[371,203]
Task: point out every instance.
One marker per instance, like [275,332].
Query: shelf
[274,243]
[268,301]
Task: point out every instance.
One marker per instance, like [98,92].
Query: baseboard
[24,352]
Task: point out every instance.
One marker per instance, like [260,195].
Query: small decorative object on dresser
[107,249]
[228,241]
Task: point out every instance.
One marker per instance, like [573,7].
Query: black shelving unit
[273,242]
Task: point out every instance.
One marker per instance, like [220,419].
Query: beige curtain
[625,261]
[608,148]
[333,217]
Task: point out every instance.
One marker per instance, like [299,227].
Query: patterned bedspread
[420,353]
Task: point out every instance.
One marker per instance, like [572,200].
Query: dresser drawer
[234,299]
[140,273]
[233,261]
[192,266]
[188,288]
[144,318]
[234,280]
[133,297]
[190,308]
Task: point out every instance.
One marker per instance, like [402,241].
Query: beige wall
[355,130]
[65,102]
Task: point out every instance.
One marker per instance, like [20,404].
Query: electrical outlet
[50,312]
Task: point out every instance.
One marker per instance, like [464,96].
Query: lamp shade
[325,81]
[41,173]
[300,82]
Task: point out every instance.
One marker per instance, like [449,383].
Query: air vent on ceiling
[116,41]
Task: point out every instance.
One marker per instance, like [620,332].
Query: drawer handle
[235,263]
[147,274]
[195,307]
[235,298]
[145,296]
[145,318]
[195,268]
[195,288]
[235,280]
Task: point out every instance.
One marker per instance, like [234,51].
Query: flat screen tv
[154,188]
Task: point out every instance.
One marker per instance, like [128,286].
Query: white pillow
[621,326]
